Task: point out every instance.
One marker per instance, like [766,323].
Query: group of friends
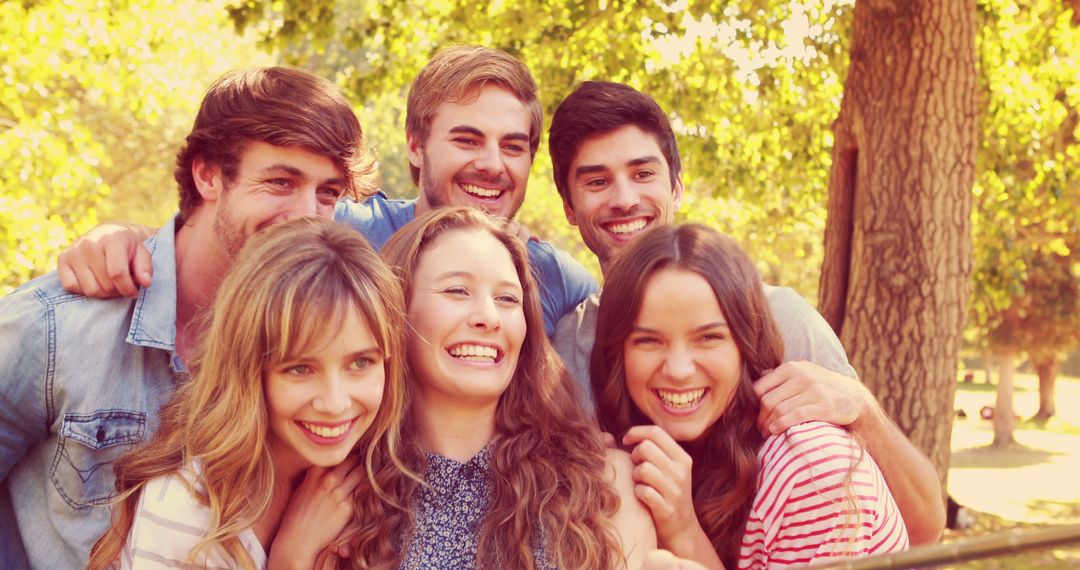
[299,371]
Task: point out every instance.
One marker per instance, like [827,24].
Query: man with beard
[473,125]
[83,379]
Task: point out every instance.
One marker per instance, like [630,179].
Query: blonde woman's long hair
[548,460]
[292,283]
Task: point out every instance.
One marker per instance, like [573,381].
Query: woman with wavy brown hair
[683,330]
[287,432]
[516,474]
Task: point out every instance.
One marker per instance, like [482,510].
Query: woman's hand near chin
[319,509]
[662,481]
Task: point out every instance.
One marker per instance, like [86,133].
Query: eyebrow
[294,171]
[466,129]
[698,329]
[586,169]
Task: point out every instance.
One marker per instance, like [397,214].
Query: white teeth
[474,352]
[481,192]
[327,432]
[628,227]
[681,400]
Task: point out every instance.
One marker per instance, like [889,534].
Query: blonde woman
[516,474]
[289,422]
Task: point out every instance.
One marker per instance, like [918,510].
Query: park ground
[1032,484]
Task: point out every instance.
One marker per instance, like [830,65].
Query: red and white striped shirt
[811,506]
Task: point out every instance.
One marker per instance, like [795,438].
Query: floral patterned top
[449,513]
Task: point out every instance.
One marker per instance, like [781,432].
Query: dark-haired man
[617,168]
[82,378]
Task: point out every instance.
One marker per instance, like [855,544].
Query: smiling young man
[82,378]
[617,168]
[473,125]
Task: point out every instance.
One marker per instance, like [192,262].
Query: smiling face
[272,184]
[619,186]
[466,318]
[476,154]
[681,362]
[321,402]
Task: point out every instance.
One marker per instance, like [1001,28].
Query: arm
[564,283]
[662,477]
[632,521]
[825,389]
[821,498]
[108,261]
[24,366]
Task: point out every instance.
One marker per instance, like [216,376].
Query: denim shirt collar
[153,323]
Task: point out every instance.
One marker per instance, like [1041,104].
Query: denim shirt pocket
[88,446]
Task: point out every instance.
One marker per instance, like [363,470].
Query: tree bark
[1047,369]
[894,281]
[1004,418]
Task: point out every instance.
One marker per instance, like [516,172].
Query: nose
[332,399]
[679,363]
[489,159]
[623,195]
[305,203]
[485,315]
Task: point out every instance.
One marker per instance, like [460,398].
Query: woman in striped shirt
[683,330]
[289,422]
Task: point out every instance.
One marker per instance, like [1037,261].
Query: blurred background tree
[95,96]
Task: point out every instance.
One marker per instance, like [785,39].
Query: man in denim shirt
[472,125]
[82,379]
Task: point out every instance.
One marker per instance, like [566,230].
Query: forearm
[694,546]
[910,475]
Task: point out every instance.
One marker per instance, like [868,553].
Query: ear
[569,211]
[416,150]
[677,194]
[208,179]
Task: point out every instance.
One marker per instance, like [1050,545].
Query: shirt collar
[153,322]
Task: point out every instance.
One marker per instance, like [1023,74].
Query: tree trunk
[1004,418]
[1047,368]
[894,281]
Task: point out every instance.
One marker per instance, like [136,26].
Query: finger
[769,380]
[658,436]
[88,283]
[665,483]
[647,450]
[653,500]
[68,279]
[142,266]
[343,551]
[118,269]
[353,479]
[609,440]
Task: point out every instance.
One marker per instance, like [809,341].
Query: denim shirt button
[100,434]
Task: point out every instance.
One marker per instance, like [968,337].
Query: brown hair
[599,107]
[291,282]
[725,466]
[455,74]
[280,106]
[548,460]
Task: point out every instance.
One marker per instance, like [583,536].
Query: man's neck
[422,205]
[201,264]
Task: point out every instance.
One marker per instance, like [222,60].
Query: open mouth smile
[481,192]
[479,353]
[684,400]
[626,228]
[326,434]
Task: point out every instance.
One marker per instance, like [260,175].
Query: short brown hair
[279,106]
[597,108]
[454,74]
